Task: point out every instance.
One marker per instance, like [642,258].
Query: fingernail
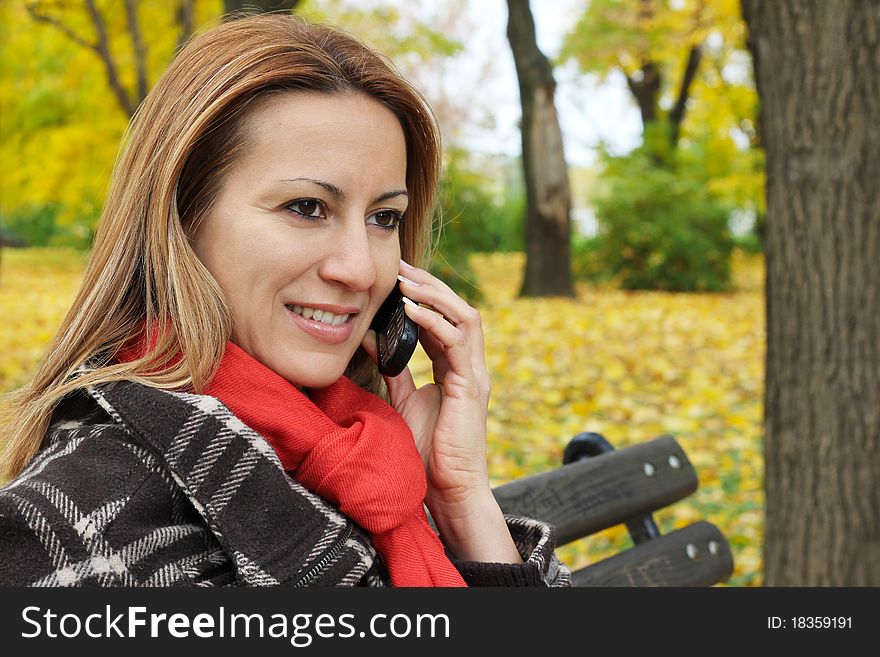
[404,279]
[406,265]
[409,301]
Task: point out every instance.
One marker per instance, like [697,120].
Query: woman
[209,411]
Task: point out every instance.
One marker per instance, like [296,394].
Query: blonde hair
[179,146]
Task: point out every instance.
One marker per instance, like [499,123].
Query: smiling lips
[318,315]
[324,325]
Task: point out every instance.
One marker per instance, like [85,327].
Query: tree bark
[646,92]
[548,199]
[815,67]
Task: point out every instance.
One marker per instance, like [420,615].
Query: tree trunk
[816,66]
[548,200]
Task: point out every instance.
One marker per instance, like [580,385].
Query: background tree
[71,21]
[816,70]
[687,69]
[548,199]
[662,49]
[67,102]
[665,211]
[71,75]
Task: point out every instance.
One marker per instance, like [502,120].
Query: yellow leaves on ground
[631,366]
[36,289]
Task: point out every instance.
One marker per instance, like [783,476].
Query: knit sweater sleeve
[535,541]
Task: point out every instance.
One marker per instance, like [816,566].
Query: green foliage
[661,228]
[40,225]
[615,34]
[34,224]
[456,271]
[473,218]
[749,243]
[478,215]
[586,259]
[399,33]
[624,35]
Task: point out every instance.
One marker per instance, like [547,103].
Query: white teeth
[318,315]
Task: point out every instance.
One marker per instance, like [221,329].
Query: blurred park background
[659,327]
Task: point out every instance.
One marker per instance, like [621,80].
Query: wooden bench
[599,487]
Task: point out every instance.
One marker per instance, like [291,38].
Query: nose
[350,259]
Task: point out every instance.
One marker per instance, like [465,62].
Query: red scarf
[349,447]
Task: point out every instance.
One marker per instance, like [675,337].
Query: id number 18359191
[809,623]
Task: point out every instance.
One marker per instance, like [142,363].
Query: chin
[313,375]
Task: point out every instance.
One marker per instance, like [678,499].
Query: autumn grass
[631,366]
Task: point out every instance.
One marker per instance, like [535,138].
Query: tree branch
[185,17]
[103,49]
[34,10]
[140,50]
[630,83]
[676,115]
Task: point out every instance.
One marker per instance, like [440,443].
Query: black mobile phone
[397,335]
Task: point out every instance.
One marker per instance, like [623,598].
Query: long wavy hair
[176,153]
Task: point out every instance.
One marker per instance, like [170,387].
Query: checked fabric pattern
[137,486]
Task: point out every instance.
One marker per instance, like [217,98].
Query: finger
[422,276]
[436,353]
[424,287]
[432,346]
[453,339]
[456,310]
[440,297]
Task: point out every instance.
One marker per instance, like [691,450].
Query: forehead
[324,135]
[311,114]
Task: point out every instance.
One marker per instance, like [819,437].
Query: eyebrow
[339,194]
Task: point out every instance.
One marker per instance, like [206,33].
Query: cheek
[215,245]
[234,251]
[388,265]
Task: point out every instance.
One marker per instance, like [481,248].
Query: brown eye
[388,219]
[307,207]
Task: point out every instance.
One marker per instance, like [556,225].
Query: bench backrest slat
[697,555]
[596,493]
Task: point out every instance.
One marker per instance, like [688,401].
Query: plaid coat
[136,486]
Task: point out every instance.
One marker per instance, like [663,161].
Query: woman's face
[303,236]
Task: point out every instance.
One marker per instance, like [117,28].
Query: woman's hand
[448,418]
